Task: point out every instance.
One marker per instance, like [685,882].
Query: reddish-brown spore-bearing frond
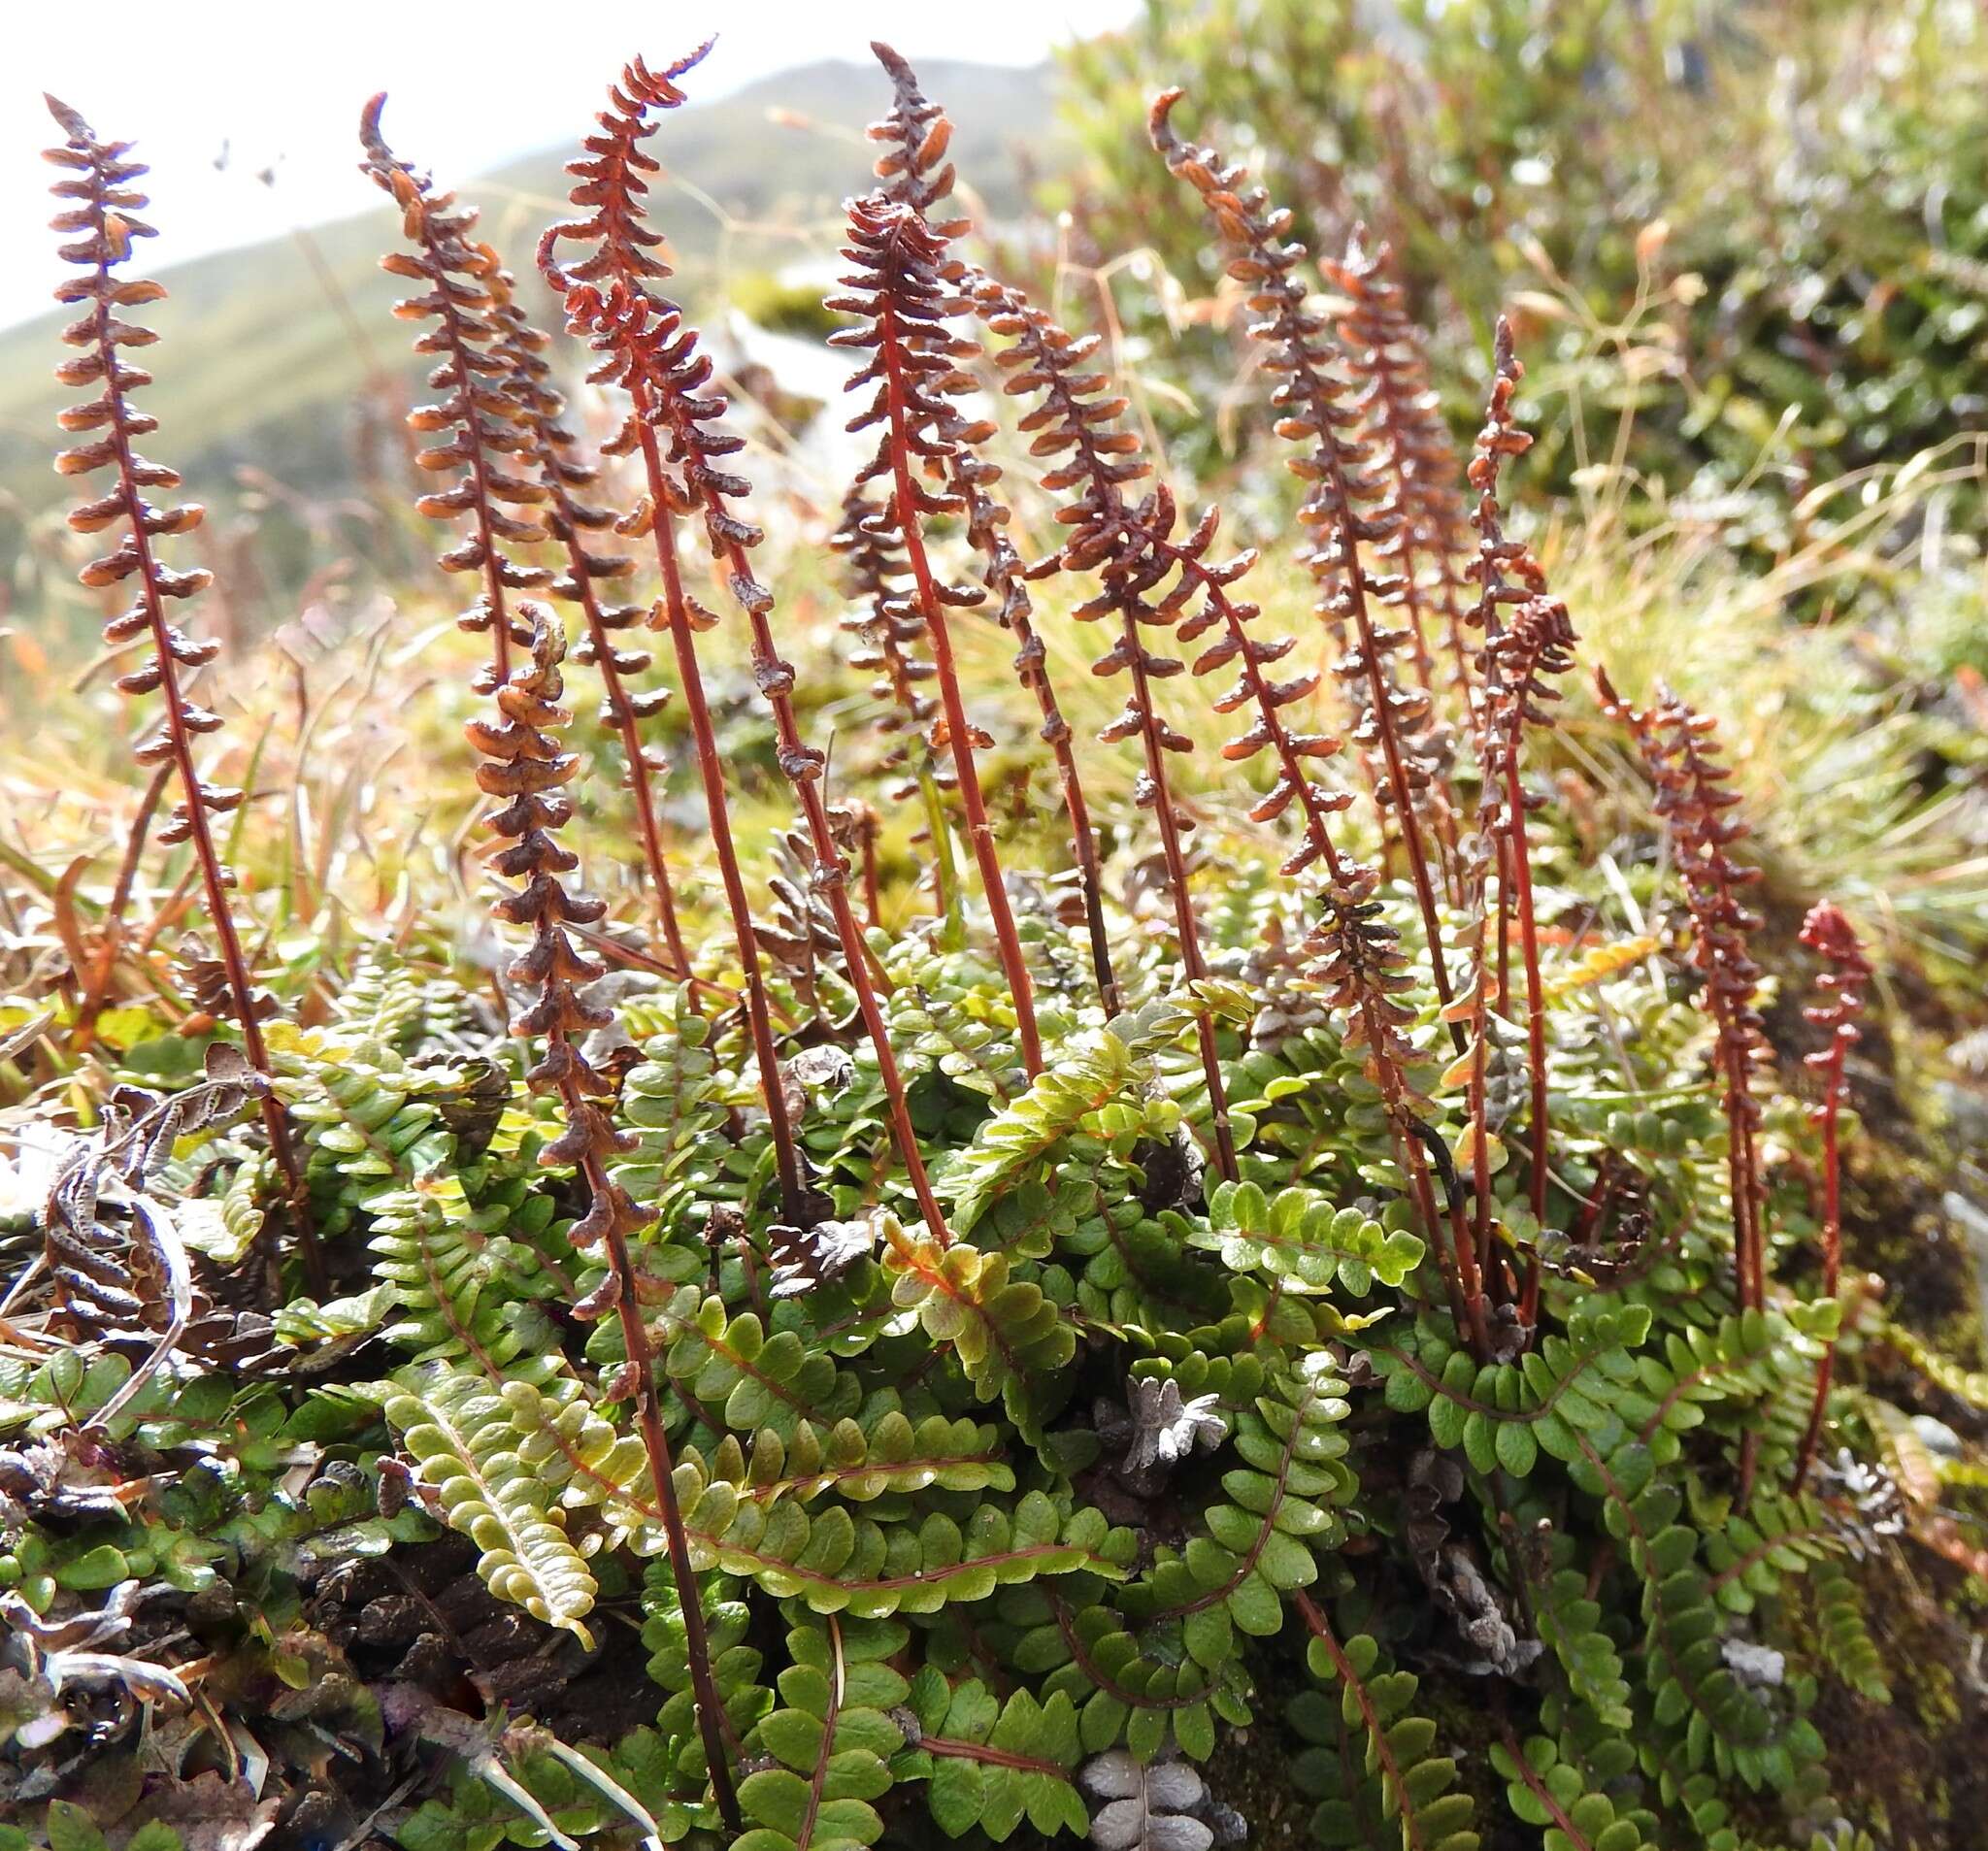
[1847,971]
[1317,409]
[647,352]
[553,451]
[1419,463]
[901,306]
[913,171]
[475,420]
[524,768]
[100,219]
[676,423]
[890,636]
[1074,427]
[1680,750]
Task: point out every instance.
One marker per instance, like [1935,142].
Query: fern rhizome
[996,1361]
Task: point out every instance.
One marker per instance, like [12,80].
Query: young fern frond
[900,305]
[1346,504]
[916,135]
[652,352]
[1113,540]
[99,218]
[1847,970]
[525,769]
[475,421]
[554,452]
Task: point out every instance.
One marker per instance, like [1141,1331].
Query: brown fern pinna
[99,220]
[524,768]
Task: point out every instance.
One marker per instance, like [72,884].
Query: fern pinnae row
[102,226]
[900,305]
[553,451]
[1314,410]
[888,645]
[1043,360]
[1847,970]
[912,170]
[657,356]
[1401,421]
[477,419]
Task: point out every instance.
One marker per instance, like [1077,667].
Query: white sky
[282,81]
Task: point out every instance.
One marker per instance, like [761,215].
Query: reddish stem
[656,1445]
[212,876]
[710,771]
[1519,862]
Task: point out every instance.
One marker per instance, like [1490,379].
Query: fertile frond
[99,218]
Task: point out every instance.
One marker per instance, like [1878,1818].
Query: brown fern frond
[1680,750]
[643,348]
[1004,582]
[1513,694]
[553,451]
[1319,411]
[900,306]
[525,769]
[99,221]
[916,135]
[476,421]
[890,636]
[1110,539]
[1847,971]
[648,350]
[1417,458]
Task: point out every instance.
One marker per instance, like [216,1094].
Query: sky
[217,91]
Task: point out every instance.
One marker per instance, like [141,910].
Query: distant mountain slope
[257,365]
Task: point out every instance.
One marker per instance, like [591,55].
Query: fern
[1548,1794]
[1415,1785]
[832,1734]
[457,1430]
[990,1763]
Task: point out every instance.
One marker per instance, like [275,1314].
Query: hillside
[266,364]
